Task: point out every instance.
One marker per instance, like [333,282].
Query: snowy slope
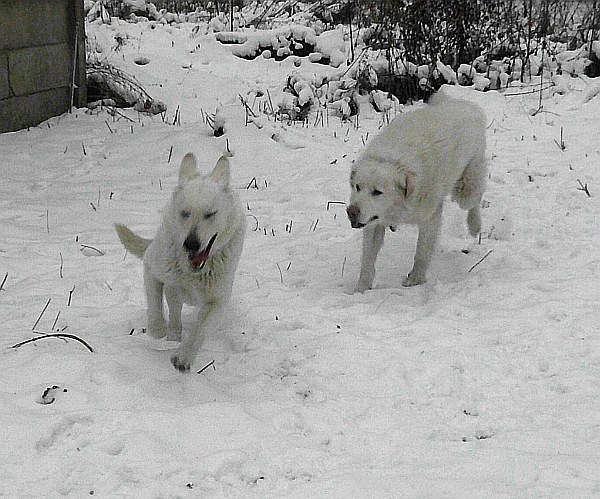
[481,383]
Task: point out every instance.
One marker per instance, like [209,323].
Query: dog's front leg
[208,320]
[154,298]
[175,304]
[426,242]
[372,242]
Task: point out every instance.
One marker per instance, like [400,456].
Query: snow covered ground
[482,383]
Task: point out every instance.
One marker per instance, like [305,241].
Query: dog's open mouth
[355,224]
[199,259]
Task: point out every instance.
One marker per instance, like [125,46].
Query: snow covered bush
[293,39]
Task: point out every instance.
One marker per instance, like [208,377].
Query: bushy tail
[133,243]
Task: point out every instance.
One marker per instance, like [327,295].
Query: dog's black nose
[353,213]
[191,243]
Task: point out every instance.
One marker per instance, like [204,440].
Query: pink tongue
[199,259]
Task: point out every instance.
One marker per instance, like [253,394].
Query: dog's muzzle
[353,213]
[198,256]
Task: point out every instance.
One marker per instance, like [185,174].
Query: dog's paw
[413,280]
[361,287]
[182,360]
[180,364]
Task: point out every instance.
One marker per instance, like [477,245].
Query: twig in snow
[248,110]
[482,259]
[100,253]
[270,101]
[256,220]
[529,92]
[584,188]
[55,335]
[382,302]
[60,270]
[561,144]
[343,265]
[48,221]
[3,282]
[70,296]
[211,363]
[170,154]
[334,202]
[40,317]
[114,111]
[55,321]
[280,273]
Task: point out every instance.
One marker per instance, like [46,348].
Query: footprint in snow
[50,394]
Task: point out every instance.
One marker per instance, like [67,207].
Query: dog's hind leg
[372,242]
[426,243]
[474,220]
[470,186]
[154,297]
[175,304]
[468,192]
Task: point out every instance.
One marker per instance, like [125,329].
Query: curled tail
[133,243]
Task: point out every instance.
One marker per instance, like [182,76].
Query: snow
[481,383]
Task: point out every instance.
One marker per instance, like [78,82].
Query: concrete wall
[37,51]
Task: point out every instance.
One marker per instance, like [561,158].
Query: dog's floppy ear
[188,169]
[221,172]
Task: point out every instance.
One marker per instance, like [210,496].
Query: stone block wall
[40,41]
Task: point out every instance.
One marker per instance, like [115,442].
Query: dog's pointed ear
[406,184]
[188,169]
[221,172]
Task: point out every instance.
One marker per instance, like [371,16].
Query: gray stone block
[39,68]
[4,86]
[30,23]
[30,110]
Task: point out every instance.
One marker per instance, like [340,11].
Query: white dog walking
[407,171]
[193,257]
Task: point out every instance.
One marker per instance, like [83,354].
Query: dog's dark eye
[357,188]
[184,214]
[210,214]
[376,192]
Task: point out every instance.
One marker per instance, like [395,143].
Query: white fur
[201,206]
[406,172]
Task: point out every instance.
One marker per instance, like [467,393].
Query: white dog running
[407,171]
[193,257]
